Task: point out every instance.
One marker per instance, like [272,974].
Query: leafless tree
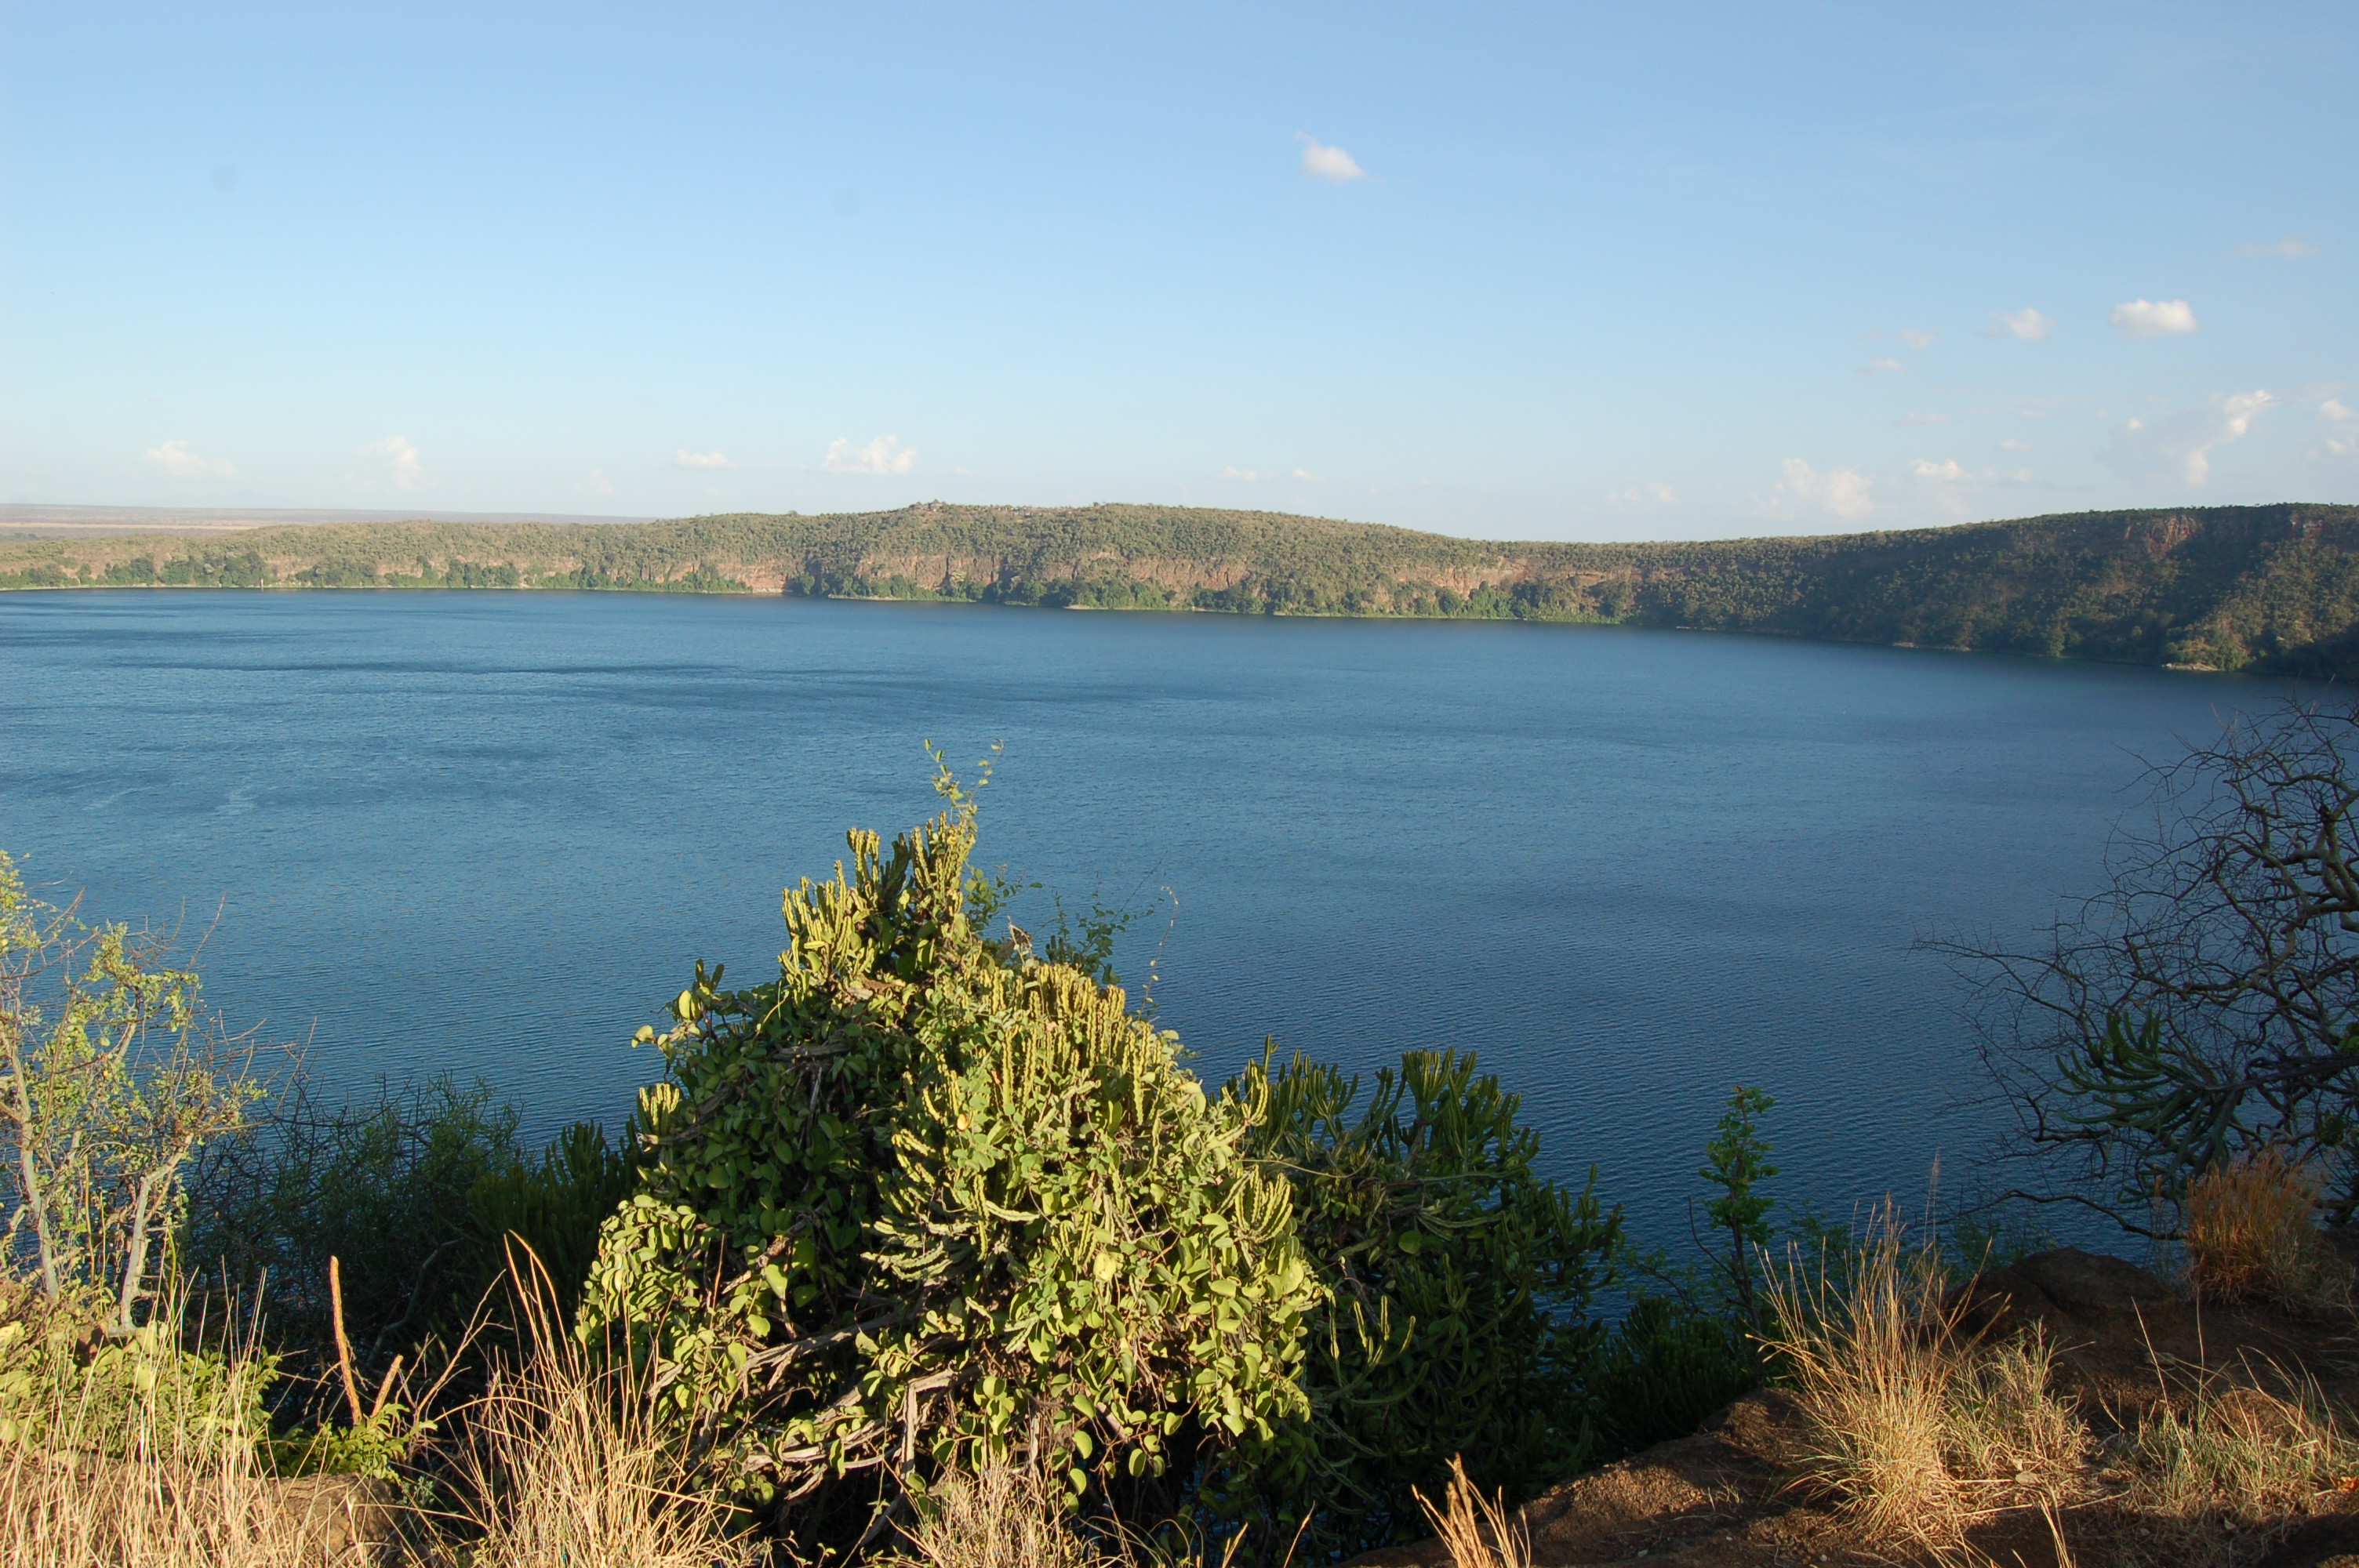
[2207,1001]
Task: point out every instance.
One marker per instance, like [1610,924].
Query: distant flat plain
[24,520]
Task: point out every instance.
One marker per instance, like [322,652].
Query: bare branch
[2205,1002]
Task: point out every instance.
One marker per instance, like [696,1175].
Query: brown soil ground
[1725,1497]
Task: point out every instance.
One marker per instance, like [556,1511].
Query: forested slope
[2231,587]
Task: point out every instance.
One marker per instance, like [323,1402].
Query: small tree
[1735,1163]
[2206,1003]
[112,1077]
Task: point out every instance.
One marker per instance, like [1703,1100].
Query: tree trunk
[135,1263]
[27,1167]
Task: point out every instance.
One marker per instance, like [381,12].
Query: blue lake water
[489,832]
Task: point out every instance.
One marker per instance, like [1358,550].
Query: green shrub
[66,1382]
[413,1189]
[1736,1161]
[557,1206]
[1688,1342]
[381,1184]
[1667,1368]
[923,1201]
[177,1385]
[1460,1283]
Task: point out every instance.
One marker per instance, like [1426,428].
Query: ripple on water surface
[490,832]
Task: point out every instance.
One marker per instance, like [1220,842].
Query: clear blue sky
[1585,272]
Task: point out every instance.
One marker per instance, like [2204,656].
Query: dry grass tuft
[998,1517]
[2233,1452]
[2007,1427]
[1478,1530]
[566,1462]
[1915,1428]
[2252,1235]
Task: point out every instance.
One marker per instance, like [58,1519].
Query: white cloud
[2012,445]
[682,457]
[1327,163]
[2027,325]
[1882,367]
[1655,493]
[1951,489]
[2152,317]
[1801,489]
[1306,474]
[401,461]
[1922,419]
[881,456]
[1239,473]
[600,482]
[2176,448]
[175,459]
[2289,248]
[2341,427]
[1917,341]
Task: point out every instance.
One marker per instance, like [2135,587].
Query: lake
[490,832]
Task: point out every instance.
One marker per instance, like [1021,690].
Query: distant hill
[2225,587]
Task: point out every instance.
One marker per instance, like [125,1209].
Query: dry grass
[1918,1430]
[565,1463]
[213,1512]
[1006,1515]
[2229,1451]
[1002,1516]
[2007,1426]
[1921,1432]
[1478,1531]
[2251,1231]
[189,1490]
[561,1462]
